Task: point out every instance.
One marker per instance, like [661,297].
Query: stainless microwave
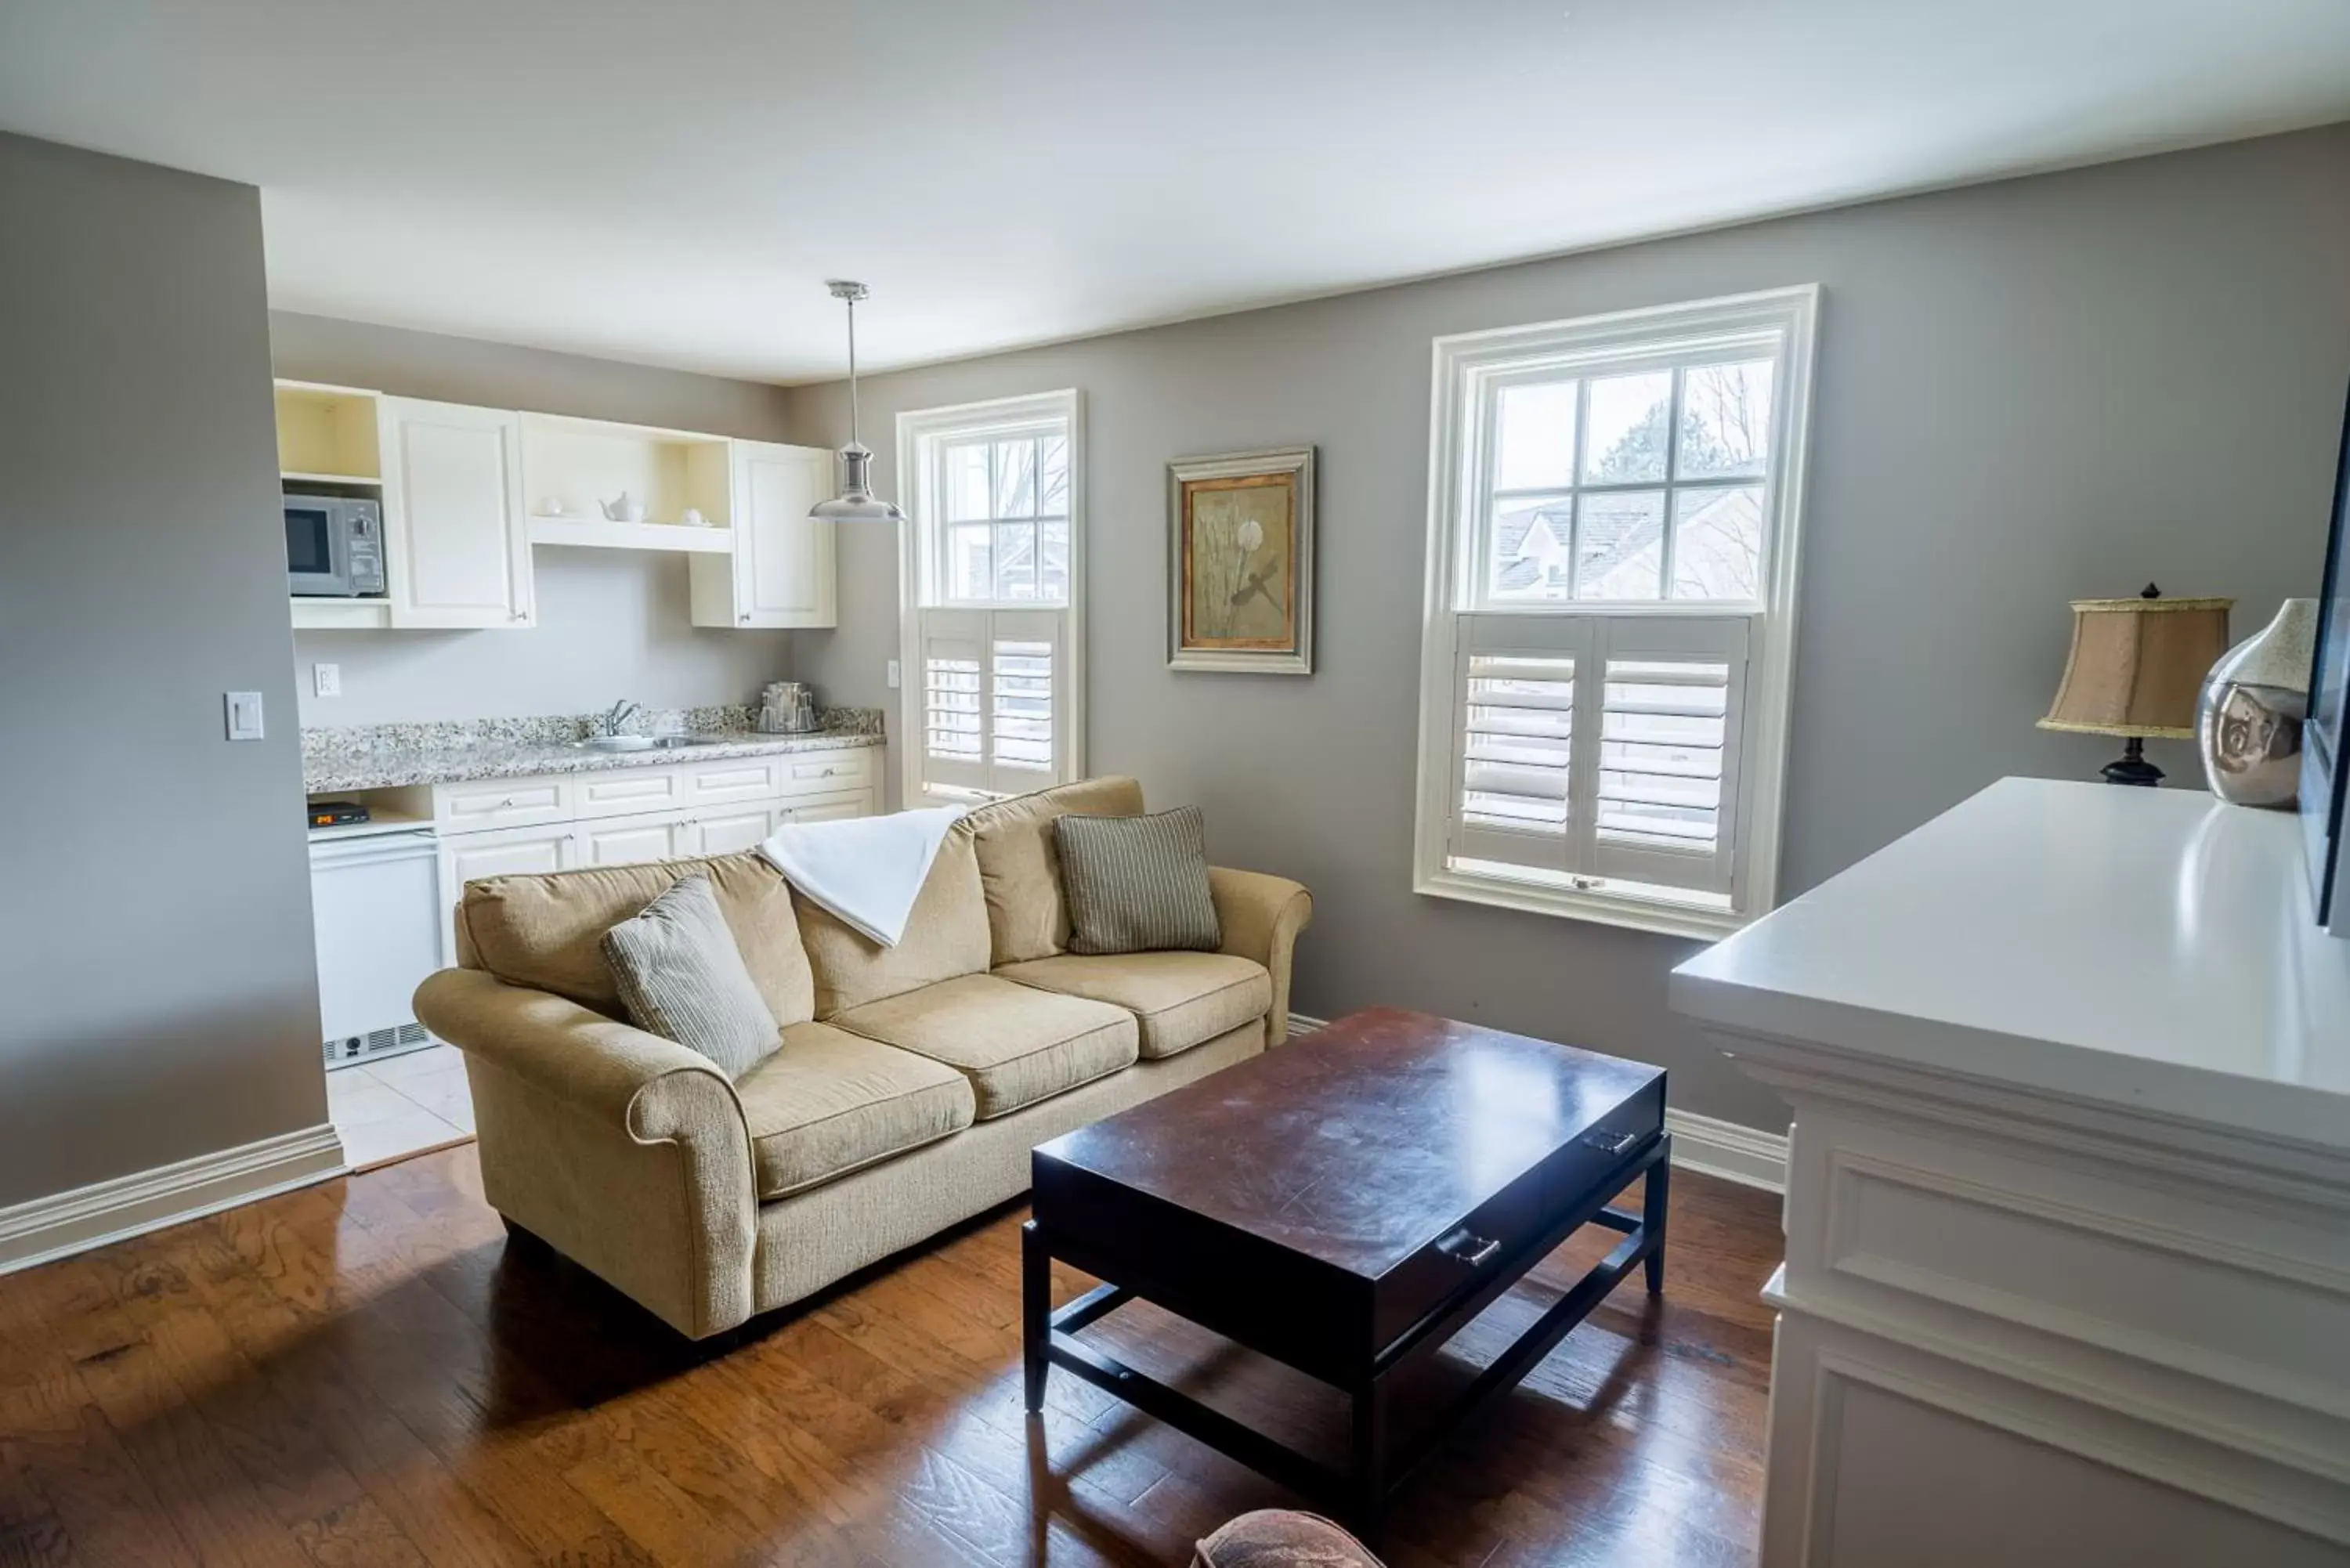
[334,546]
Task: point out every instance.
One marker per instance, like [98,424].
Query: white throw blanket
[866,869]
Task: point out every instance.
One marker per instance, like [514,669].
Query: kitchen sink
[648,743]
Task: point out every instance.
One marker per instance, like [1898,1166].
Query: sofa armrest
[626,1152]
[1261,916]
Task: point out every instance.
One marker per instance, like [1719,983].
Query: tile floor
[390,1109]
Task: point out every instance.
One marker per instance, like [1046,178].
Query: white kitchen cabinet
[830,807]
[780,574]
[457,541]
[627,840]
[500,852]
[728,831]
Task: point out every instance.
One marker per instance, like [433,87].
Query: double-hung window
[992,575]
[1613,517]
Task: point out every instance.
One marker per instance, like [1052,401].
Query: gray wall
[162,993]
[2027,392]
[612,623]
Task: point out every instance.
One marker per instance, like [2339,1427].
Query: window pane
[1053,562]
[1718,542]
[1725,421]
[1620,550]
[1535,436]
[1015,478]
[1631,416]
[1532,541]
[970,556]
[1016,560]
[1053,497]
[966,482]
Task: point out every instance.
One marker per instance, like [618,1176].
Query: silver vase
[2248,720]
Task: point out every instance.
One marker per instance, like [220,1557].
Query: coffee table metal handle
[1468,1247]
[1610,1143]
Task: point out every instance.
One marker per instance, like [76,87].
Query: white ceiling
[669,183]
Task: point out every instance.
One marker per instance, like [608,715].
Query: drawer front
[1518,1216]
[822,773]
[828,807]
[502,802]
[628,791]
[743,778]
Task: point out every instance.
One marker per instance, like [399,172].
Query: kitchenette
[451,553]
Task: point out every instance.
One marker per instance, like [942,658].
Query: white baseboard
[1748,1155]
[1745,1154]
[104,1211]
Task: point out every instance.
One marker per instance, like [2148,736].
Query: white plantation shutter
[994,718]
[1602,747]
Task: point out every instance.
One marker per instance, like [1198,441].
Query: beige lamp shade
[2136,666]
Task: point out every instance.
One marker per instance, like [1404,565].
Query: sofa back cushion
[545,930]
[945,936]
[1020,870]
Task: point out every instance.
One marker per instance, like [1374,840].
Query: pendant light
[855,503]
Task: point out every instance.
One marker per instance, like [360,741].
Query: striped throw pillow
[1136,884]
[681,976]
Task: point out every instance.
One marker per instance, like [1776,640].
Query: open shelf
[575,465]
[597,533]
[328,434]
[340,615]
[368,481]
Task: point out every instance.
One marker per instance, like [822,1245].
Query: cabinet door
[505,852]
[783,559]
[459,544]
[627,840]
[729,832]
[831,808]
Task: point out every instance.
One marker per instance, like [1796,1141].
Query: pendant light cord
[854,438]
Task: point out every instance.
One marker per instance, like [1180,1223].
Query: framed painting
[1240,571]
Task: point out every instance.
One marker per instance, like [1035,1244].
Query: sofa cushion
[545,930]
[1019,868]
[1137,883]
[681,977]
[1179,999]
[830,1101]
[1018,1045]
[945,936]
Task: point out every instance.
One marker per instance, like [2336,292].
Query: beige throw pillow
[681,977]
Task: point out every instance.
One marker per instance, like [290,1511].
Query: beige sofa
[912,1080]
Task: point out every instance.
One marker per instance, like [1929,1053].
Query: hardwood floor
[365,1372]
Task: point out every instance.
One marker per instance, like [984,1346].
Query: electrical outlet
[326,680]
[893,675]
[244,714]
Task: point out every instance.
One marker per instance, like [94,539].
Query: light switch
[326,680]
[243,715]
[893,675]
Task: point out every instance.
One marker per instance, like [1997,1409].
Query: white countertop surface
[2154,949]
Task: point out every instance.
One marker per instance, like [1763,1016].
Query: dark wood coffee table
[1345,1204]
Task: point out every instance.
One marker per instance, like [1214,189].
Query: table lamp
[2134,669]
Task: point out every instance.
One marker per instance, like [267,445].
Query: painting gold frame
[1239,568]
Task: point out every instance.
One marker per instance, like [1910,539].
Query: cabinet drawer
[829,807]
[501,803]
[814,773]
[739,778]
[627,791]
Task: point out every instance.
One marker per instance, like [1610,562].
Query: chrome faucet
[616,718]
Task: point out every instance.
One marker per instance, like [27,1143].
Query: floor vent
[350,1050]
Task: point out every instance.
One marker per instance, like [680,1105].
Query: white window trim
[1462,363]
[915,427]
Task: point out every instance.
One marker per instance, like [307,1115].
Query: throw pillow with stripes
[681,976]
[1136,884]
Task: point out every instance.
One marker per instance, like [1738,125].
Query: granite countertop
[382,756]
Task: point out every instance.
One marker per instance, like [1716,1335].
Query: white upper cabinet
[780,574]
[458,538]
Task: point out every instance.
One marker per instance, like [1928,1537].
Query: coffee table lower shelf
[1377,1465]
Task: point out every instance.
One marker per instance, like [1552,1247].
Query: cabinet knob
[745,617]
